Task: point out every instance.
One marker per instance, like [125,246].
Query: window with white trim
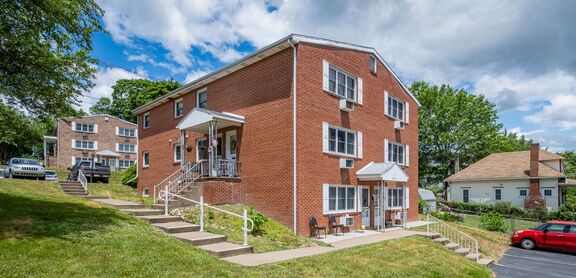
[341,83]
[341,198]
[126,148]
[125,163]
[177,153]
[84,127]
[498,194]
[84,144]
[146,120]
[85,159]
[395,108]
[396,153]
[373,64]
[202,99]
[145,159]
[523,192]
[341,141]
[547,192]
[466,195]
[127,132]
[395,198]
[178,108]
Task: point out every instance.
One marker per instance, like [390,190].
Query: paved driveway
[518,262]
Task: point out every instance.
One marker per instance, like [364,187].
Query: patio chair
[315,228]
[334,225]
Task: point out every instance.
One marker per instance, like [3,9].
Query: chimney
[534,198]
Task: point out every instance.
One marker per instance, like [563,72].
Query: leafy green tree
[570,171]
[128,94]
[457,128]
[44,53]
[20,136]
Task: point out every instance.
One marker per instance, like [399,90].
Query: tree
[20,136]
[570,172]
[44,54]
[129,94]
[456,129]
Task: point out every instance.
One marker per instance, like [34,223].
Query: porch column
[212,151]
[404,205]
[382,218]
[45,154]
[385,202]
[183,147]
[372,210]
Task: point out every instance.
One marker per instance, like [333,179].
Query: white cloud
[559,112]
[548,140]
[195,75]
[104,81]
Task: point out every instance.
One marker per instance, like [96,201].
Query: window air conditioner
[346,105]
[398,124]
[347,220]
[346,163]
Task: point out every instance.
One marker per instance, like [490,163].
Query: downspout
[294,197]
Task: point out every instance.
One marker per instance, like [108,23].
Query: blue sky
[519,53]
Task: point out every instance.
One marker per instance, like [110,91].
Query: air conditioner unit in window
[346,163]
[346,105]
[347,220]
[398,125]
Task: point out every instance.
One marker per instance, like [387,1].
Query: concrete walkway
[278,256]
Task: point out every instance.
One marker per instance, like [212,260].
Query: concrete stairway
[73,188]
[175,226]
[465,252]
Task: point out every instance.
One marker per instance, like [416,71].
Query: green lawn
[45,233]
[474,221]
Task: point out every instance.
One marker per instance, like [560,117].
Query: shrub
[493,221]
[562,215]
[567,208]
[540,213]
[259,221]
[129,176]
[504,208]
[423,207]
[447,216]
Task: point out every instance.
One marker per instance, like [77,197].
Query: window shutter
[95,128]
[325,205]
[386,103]
[135,132]
[407,197]
[385,150]
[117,131]
[73,125]
[325,70]
[358,199]
[359,91]
[73,143]
[407,155]
[95,145]
[407,111]
[117,147]
[325,137]
[73,160]
[359,140]
[135,148]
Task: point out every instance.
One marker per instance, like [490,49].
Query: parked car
[559,235]
[101,172]
[24,168]
[51,175]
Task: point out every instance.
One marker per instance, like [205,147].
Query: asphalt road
[517,262]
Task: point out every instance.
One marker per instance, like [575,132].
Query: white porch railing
[445,230]
[222,168]
[201,203]
[180,179]
[83,181]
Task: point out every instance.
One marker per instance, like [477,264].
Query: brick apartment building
[112,141]
[303,127]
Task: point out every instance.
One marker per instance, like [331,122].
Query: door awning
[387,171]
[198,120]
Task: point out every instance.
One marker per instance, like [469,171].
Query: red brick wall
[106,138]
[316,106]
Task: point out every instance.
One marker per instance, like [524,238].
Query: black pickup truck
[101,172]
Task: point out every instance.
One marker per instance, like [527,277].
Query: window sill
[176,162]
[145,166]
[339,155]
[340,212]
[83,149]
[341,97]
[395,119]
[90,132]
[176,117]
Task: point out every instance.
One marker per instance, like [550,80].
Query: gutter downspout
[294,187]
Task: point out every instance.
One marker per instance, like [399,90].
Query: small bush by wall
[129,175]
[493,221]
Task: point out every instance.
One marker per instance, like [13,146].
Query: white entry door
[377,219]
[231,145]
[365,202]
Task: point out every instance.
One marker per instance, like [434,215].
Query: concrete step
[462,251]
[129,206]
[199,238]
[432,235]
[73,190]
[442,240]
[143,212]
[452,246]
[177,227]
[226,249]
[77,193]
[485,261]
[71,186]
[160,218]
[97,197]
[71,183]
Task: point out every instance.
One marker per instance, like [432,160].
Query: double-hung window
[341,83]
[498,194]
[547,192]
[83,144]
[127,132]
[202,99]
[523,192]
[373,64]
[340,198]
[146,120]
[145,159]
[395,198]
[395,108]
[177,153]
[396,153]
[127,148]
[125,163]
[84,127]
[342,141]
[466,195]
[178,108]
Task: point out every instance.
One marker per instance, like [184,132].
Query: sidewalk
[278,256]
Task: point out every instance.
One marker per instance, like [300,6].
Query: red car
[552,235]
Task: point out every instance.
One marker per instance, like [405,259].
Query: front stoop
[72,188]
[465,252]
[175,226]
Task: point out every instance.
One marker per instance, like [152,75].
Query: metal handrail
[244,217]
[83,181]
[446,230]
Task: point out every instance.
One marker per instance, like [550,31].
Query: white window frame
[176,159]
[390,105]
[544,189]
[177,113]
[395,195]
[82,125]
[336,84]
[346,143]
[391,153]
[463,200]
[125,132]
[495,193]
[94,144]
[146,124]
[145,164]
[122,148]
[373,64]
[125,163]
[198,93]
[520,192]
[337,210]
